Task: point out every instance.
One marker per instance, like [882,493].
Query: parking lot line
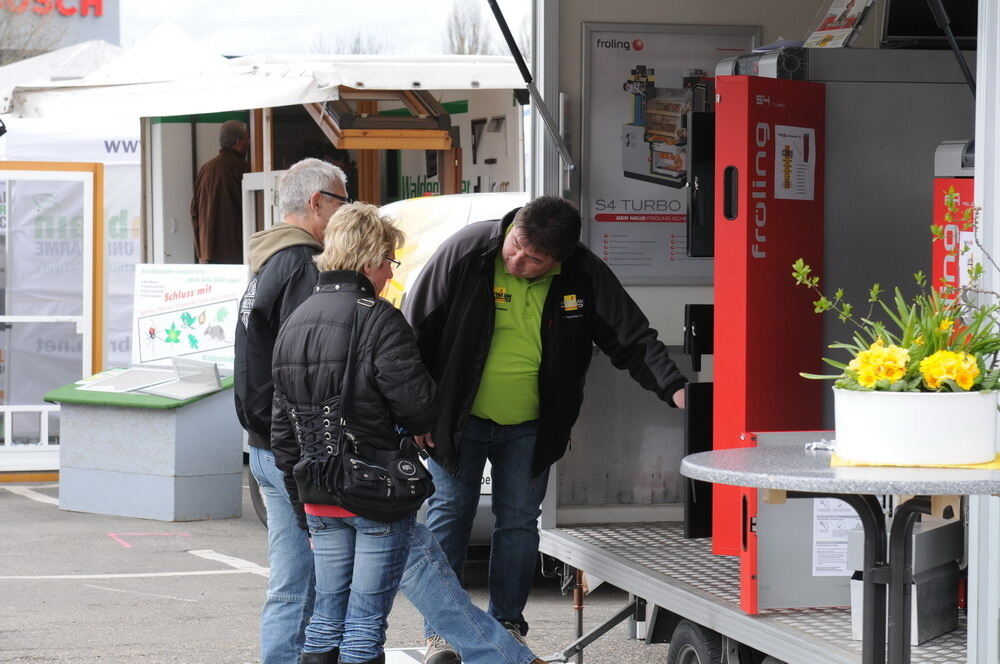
[237,563]
[127,575]
[136,592]
[25,492]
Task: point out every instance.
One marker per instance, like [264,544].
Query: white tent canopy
[72,62]
[149,80]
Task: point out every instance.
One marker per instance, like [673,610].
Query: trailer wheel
[257,498]
[693,644]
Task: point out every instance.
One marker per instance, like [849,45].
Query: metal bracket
[594,634]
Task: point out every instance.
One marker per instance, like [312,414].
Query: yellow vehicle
[429,220]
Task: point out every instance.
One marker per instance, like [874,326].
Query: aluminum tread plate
[668,561]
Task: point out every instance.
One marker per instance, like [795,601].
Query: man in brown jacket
[216,210]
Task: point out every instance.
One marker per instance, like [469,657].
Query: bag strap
[365,307]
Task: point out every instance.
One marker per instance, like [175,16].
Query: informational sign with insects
[186,311]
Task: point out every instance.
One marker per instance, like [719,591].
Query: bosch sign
[60,7]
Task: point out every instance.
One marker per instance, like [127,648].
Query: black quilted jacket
[391,385]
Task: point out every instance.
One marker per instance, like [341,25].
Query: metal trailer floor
[654,561]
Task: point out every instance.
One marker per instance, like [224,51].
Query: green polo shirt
[508,391]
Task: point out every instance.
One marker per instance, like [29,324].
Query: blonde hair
[358,236]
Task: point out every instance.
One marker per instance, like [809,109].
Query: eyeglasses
[394,262]
[346,199]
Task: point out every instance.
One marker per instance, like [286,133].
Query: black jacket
[451,309]
[391,386]
[283,275]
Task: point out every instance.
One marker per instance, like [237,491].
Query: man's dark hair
[551,225]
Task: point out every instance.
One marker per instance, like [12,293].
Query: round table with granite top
[807,473]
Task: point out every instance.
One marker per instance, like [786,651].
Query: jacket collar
[499,232]
[345,280]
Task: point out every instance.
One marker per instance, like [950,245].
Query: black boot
[328,657]
[376,660]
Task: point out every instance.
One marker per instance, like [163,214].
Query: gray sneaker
[440,652]
[514,631]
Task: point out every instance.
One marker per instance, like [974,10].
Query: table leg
[876,572]
[873,522]
[901,583]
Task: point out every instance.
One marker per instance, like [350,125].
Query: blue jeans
[517,500]
[359,563]
[432,587]
[290,583]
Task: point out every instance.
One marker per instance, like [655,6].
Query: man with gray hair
[216,209]
[282,276]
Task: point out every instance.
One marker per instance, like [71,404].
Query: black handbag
[341,469]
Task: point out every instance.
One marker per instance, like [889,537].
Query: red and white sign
[950,253]
[55,7]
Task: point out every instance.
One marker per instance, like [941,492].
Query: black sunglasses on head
[346,199]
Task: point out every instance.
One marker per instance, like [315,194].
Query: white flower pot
[915,428]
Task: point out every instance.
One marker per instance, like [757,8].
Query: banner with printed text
[641,82]
[186,311]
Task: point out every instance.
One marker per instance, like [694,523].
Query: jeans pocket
[315,523]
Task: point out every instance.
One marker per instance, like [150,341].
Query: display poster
[186,311]
[640,83]
[832,520]
[795,163]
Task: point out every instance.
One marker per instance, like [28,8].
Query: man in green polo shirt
[506,314]
[508,389]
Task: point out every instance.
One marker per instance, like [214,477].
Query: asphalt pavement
[87,588]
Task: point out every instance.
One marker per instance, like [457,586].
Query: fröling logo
[625,45]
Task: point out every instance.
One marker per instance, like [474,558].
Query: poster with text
[640,83]
[186,311]
[832,521]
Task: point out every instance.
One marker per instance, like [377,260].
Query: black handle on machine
[701,176]
[730,192]
[697,438]
[699,332]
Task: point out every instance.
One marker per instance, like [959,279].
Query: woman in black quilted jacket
[359,560]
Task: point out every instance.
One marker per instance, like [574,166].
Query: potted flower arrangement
[920,387]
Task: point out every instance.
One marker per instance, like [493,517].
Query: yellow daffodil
[946,364]
[919,341]
[945,325]
[880,362]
